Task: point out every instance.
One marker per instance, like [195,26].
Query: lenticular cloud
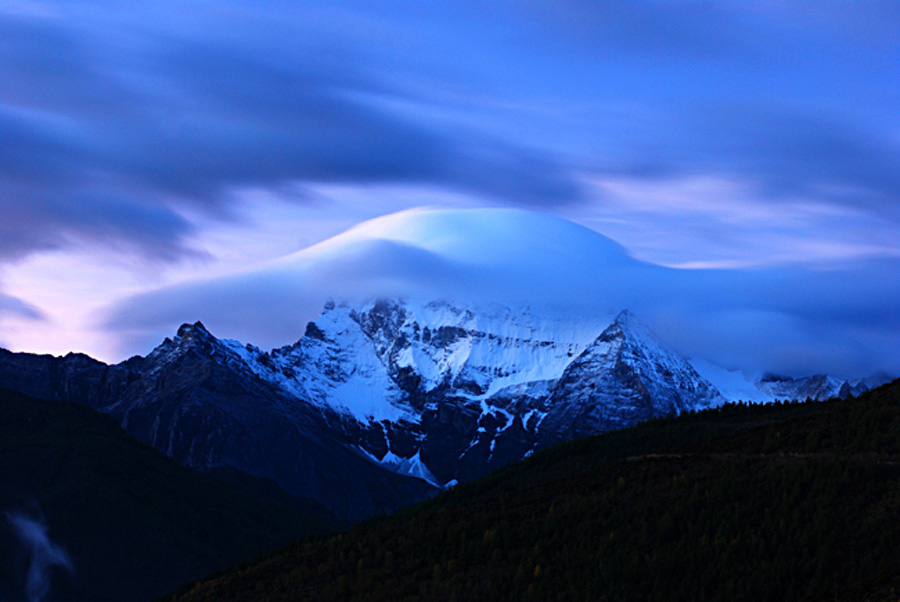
[786,320]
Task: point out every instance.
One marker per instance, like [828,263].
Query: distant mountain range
[383,403]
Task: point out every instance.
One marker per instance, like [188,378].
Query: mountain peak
[627,321]
[197,329]
[625,316]
[190,337]
[627,325]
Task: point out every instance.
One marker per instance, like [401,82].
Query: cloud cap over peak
[787,320]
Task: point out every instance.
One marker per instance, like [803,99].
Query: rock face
[379,405]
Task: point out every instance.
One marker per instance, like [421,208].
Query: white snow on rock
[489,381]
[363,360]
[478,351]
[336,367]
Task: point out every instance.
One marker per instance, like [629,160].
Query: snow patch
[734,385]
[413,467]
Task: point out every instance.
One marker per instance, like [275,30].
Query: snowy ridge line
[473,389]
[350,359]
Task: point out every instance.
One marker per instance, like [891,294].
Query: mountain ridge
[381,403]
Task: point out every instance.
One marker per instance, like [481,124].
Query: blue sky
[156,143]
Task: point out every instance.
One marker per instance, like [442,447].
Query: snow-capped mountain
[380,403]
[447,392]
[386,359]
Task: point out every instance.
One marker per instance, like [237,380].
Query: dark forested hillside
[782,502]
[132,522]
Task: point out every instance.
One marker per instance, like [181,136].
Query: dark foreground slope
[133,522]
[792,502]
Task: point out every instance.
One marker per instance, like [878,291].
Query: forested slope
[782,502]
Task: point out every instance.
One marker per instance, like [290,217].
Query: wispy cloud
[133,119]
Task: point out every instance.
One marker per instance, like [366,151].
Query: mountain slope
[779,502]
[133,523]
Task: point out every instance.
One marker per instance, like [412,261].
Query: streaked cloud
[134,124]
[138,134]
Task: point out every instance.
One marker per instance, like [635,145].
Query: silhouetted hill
[134,523]
[779,502]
